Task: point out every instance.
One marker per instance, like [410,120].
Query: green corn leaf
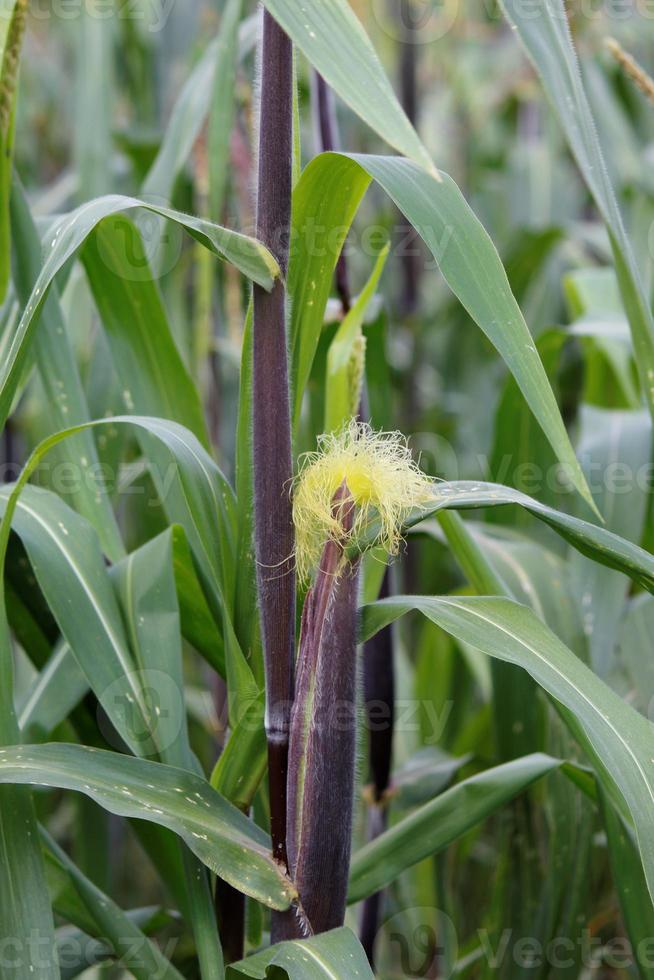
[335,955]
[126,940]
[219,834]
[341,401]
[190,112]
[619,738]
[610,442]
[635,900]
[59,374]
[65,554]
[242,764]
[595,542]
[70,232]
[152,374]
[435,825]
[198,625]
[195,494]
[56,690]
[221,115]
[145,583]
[333,40]
[25,913]
[459,243]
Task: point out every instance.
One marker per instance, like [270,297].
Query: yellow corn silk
[383,480]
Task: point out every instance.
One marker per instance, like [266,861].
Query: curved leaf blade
[591,540]
[619,737]
[435,825]
[153,376]
[460,245]
[247,254]
[335,955]
[218,834]
[333,40]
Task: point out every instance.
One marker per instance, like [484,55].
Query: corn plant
[326,523]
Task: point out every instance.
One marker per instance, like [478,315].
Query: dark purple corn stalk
[229,902]
[411,251]
[274,538]
[379,699]
[230,909]
[327,138]
[323,738]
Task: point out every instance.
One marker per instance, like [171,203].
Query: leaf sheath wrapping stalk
[271,417]
[323,743]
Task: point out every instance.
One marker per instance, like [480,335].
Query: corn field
[326,489]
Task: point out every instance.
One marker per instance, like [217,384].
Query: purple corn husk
[323,739]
